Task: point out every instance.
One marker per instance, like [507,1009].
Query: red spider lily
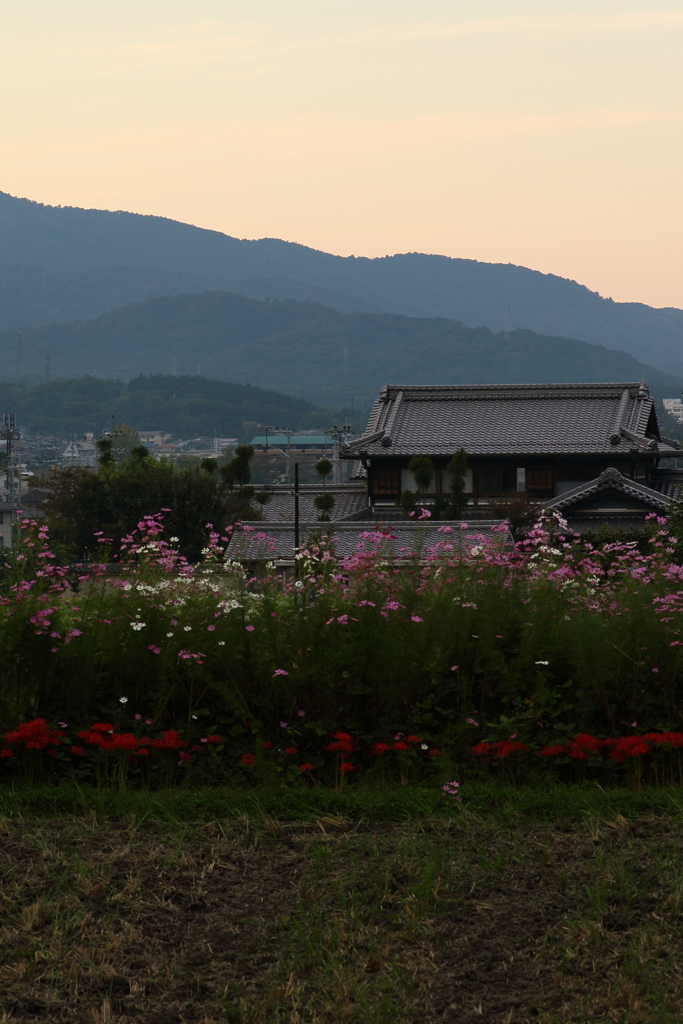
[582,745]
[498,749]
[213,738]
[110,741]
[290,750]
[379,749]
[34,735]
[5,753]
[266,745]
[102,727]
[306,767]
[77,750]
[413,739]
[629,746]
[400,745]
[343,743]
[248,760]
[675,739]
[553,750]
[347,767]
[435,752]
[170,741]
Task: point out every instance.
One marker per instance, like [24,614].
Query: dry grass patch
[253,922]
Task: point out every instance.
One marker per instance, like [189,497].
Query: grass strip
[377,804]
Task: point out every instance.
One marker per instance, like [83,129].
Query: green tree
[407,502]
[457,469]
[83,507]
[104,447]
[324,502]
[422,469]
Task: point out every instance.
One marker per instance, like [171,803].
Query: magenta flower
[250,629]
[415,618]
[280,672]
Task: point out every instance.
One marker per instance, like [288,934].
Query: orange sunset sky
[547,134]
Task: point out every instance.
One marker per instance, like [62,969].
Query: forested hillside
[309,350]
[180,405]
[63,263]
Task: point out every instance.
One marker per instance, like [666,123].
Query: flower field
[549,659]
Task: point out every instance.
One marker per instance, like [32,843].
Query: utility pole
[338,434]
[296,519]
[9,434]
[276,430]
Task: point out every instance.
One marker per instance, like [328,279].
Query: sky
[547,134]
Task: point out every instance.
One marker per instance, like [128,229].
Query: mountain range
[309,350]
[60,264]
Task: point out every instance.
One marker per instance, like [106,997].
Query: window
[385,481]
[540,482]
[408,481]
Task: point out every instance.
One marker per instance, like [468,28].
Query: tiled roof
[609,482]
[348,500]
[276,541]
[518,419]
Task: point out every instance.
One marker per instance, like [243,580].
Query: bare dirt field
[461,921]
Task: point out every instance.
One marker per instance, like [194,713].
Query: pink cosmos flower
[280,672]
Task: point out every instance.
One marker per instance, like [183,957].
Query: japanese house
[592,451]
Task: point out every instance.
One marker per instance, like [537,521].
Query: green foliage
[323,468]
[104,447]
[81,504]
[457,468]
[324,503]
[178,405]
[422,469]
[295,347]
[407,502]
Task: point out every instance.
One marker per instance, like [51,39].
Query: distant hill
[310,350]
[181,405]
[30,296]
[92,252]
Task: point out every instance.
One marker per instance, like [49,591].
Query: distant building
[80,453]
[674,406]
[153,437]
[296,442]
